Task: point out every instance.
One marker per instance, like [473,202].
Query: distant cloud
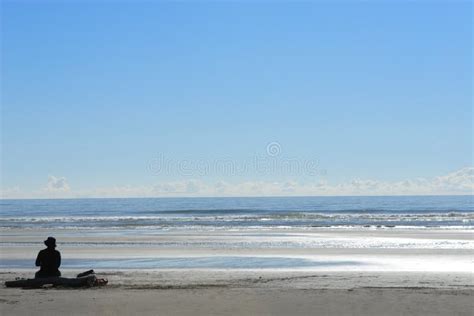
[56,185]
[457,182]
[179,188]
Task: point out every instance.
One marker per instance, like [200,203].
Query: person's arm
[38,259]
[58,264]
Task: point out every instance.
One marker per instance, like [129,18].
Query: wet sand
[413,279]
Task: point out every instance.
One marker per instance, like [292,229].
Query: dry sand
[220,292]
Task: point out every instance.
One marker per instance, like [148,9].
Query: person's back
[49,260]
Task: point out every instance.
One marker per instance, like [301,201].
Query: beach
[429,272]
[267,158]
[252,293]
[265,256]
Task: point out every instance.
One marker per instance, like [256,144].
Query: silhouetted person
[49,260]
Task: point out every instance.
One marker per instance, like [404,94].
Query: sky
[191,98]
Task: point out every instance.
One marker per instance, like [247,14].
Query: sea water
[164,213]
[238,223]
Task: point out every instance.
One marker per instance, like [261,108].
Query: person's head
[50,242]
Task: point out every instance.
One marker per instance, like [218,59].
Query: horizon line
[231,197]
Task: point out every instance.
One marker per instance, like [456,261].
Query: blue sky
[94,93]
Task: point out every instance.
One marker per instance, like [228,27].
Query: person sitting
[48,260]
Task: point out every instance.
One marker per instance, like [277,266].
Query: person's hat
[50,242]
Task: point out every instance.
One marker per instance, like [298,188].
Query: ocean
[372,233]
[224,213]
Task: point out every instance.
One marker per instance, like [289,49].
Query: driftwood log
[54,281]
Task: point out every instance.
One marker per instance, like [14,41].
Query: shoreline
[315,250]
[383,272]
